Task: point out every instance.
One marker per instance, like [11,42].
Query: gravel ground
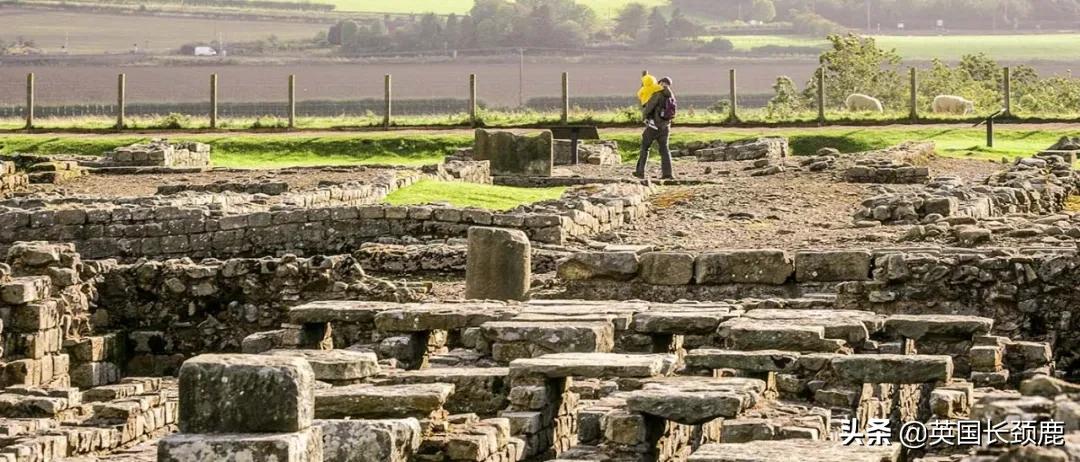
[146,184]
[790,210]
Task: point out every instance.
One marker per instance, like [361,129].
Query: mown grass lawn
[272,150]
[952,142]
[250,150]
[471,195]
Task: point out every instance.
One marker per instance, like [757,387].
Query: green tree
[631,20]
[349,31]
[785,101]
[856,64]
[430,33]
[762,10]
[540,27]
[452,31]
[658,28]
[494,21]
[681,26]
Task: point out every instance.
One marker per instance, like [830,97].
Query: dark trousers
[660,136]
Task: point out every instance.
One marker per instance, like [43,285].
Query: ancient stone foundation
[160,153]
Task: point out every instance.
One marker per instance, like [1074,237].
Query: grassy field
[471,195]
[1022,47]
[415,148]
[603,8]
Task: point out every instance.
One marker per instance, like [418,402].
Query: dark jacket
[651,110]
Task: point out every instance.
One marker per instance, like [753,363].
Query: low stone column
[259,406]
[499,264]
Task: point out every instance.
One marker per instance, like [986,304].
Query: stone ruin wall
[307,227]
[1030,294]
[10,180]
[1038,185]
[160,153]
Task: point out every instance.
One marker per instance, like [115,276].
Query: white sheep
[858,102]
[949,104]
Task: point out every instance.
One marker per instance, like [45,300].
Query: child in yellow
[648,87]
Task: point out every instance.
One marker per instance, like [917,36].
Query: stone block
[620,266]
[391,440]
[382,402]
[765,266]
[302,446]
[515,154]
[237,393]
[667,268]
[335,365]
[499,264]
[832,266]
[868,368]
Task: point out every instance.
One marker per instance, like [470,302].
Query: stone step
[339,311]
[442,316]
[860,369]
[520,339]
[593,365]
[480,390]
[298,446]
[421,401]
[684,319]
[23,290]
[390,440]
[852,326]
[937,325]
[752,361]
[794,450]
[335,365]
[695,400]
[756,334]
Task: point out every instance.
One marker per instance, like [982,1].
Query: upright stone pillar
[254,406]
[499,264]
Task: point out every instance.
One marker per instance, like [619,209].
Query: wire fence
[386,99]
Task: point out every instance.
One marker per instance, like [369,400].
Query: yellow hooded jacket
[648,87]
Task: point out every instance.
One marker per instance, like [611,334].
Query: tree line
[914,14]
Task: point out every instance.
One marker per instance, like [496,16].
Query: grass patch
[471,195]
[951,142]
[266,150]
[273,150]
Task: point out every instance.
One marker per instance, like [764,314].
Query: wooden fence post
[292,100]
[734,115]
[388,105]
[472,100]
[1007,91]
[565,97]
[121,87]
[29,100]
[821,95]
[914,102]
[213,100]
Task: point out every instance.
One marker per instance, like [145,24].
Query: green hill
[603,8]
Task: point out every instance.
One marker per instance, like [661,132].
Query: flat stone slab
[937,325]
[756,361]
[684,319]
[694,400]
[593,365]
[445,316]
[304,446]
[893,368]
[237,393]
[794,450]
[758,334]
[381,402]
[335,364]
[852,326]
[563,337]
[392,440]
[338,311]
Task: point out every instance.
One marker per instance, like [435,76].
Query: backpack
[669,109]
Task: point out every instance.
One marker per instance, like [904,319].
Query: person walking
[658,109]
